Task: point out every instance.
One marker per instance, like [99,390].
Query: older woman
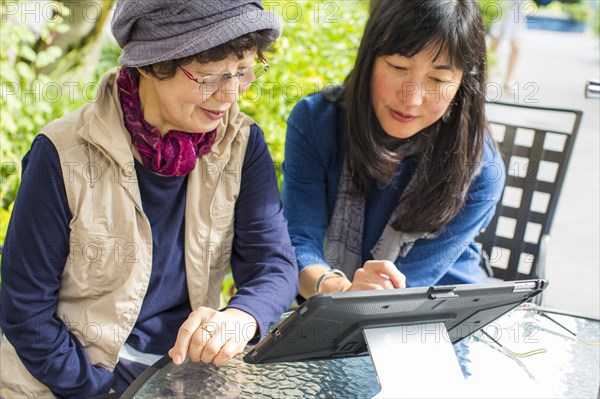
[132,207]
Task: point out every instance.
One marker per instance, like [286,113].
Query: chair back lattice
[536,144]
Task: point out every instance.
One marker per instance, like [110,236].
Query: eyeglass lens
[245,76]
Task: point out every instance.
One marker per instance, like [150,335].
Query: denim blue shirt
[314,156]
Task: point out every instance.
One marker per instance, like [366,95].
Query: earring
[447,117]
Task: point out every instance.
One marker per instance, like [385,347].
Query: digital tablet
[330,325]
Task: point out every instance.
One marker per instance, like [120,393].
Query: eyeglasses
[248,75]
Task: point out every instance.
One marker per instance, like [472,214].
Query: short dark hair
[259,41]
[453,149]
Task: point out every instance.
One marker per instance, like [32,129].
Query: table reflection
[529,352]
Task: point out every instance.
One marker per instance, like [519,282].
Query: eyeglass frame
[227,76]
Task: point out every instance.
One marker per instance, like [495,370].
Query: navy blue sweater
[37,245]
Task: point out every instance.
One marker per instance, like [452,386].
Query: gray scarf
[343,242]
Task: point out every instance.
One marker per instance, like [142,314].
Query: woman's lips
[402,117]
[213,115]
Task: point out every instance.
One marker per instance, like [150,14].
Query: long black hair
[451,148]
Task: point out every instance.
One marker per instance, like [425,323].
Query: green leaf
[54,51]
[62,28]
[27,53]
[48,56]
[25,71]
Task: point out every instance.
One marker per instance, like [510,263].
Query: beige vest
[108,269]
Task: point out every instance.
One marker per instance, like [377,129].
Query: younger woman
[389,178]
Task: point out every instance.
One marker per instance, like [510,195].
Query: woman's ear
[142,72]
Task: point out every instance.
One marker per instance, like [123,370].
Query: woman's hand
[374,275]
[213,336]
[377,275]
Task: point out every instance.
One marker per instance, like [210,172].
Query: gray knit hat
[151,31]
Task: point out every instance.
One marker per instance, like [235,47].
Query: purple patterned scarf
[173,154]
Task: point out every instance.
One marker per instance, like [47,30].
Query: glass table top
[529,352]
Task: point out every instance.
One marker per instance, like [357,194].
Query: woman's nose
[413,93]
[229,91]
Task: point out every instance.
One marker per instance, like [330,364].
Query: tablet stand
[415,360]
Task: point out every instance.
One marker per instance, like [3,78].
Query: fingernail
[177,359]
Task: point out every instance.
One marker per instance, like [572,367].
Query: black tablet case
[330,325]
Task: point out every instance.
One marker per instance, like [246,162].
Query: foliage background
[317,49]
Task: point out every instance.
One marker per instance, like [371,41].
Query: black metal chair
[536,144]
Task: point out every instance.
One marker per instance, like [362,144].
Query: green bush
[23,109]
[30,99]
[317,49]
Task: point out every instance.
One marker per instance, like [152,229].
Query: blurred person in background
[509,27]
